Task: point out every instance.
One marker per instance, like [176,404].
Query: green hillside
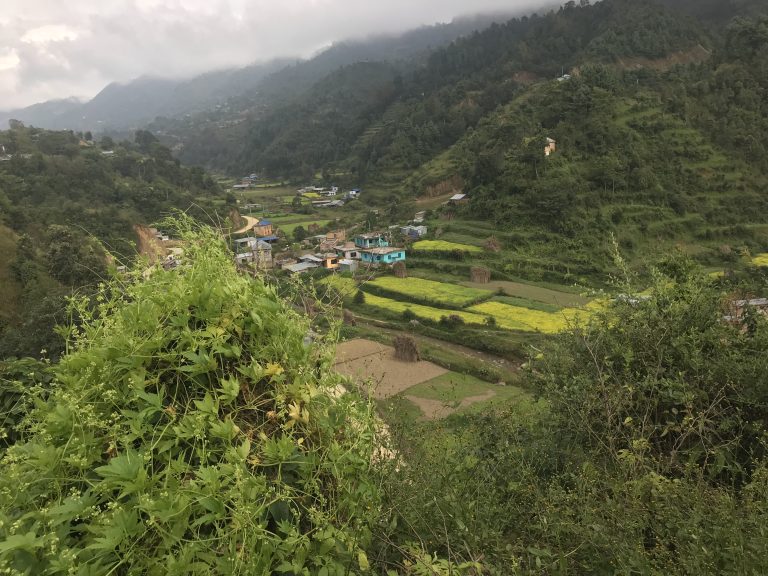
[67,212]
[661,134]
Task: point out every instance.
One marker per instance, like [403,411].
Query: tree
[299,233]
[665,382]
[144,140]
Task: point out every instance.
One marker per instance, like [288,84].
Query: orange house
[262,228]
[330,261]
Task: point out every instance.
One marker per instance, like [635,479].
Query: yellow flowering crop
[444,246]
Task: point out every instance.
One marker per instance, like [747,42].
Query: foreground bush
[190,430]
[645,453]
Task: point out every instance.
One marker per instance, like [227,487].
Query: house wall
[371,242]
[382,259]
[263,230]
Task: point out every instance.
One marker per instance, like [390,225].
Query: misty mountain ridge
[128,105]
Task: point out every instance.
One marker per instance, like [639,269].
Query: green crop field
[444,246]
[289,227]
[343,285]
[455,387]
[423,312]
[430,292]
[554,295]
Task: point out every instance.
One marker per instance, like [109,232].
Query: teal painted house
[383,255]
[372,240]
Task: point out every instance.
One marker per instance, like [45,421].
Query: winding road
[251,222]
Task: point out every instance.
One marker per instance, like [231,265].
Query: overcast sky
[59,48]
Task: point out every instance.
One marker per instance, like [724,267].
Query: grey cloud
[123,39]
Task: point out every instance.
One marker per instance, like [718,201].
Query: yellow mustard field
[444,246]
[431,291]
[526,320]
[760,260]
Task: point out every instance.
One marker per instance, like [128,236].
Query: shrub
[451,321]
[191,430]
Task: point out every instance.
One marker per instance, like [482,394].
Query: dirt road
[251,222]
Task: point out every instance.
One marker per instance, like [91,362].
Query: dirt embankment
[148,244]
[694,55]
[452,185]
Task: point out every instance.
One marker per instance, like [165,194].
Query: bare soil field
[372,364]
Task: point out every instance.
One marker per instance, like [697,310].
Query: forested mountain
[467,80]
[134,104]
[67,211]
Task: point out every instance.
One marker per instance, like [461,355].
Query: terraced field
[444,246]
[420,311]
[527,320]
[429,292]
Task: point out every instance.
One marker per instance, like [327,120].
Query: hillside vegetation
[67,211]
[189,430]
[660,130]
[192,427]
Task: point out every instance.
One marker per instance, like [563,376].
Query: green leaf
[229,390]
[29,542]
[362,561]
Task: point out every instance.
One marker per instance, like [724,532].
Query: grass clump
[191,430]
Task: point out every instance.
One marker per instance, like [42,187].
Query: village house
[458,198]
[384,255]
[419,217]
[348,251]
[353,194]
[328,203]
[414,232]
[254,252]
[348,265]
[337,235]
[300,267]
[371,240]
[551,147]
[332,240]
[263,230]
[329,261]
[311,259]
[283,262]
